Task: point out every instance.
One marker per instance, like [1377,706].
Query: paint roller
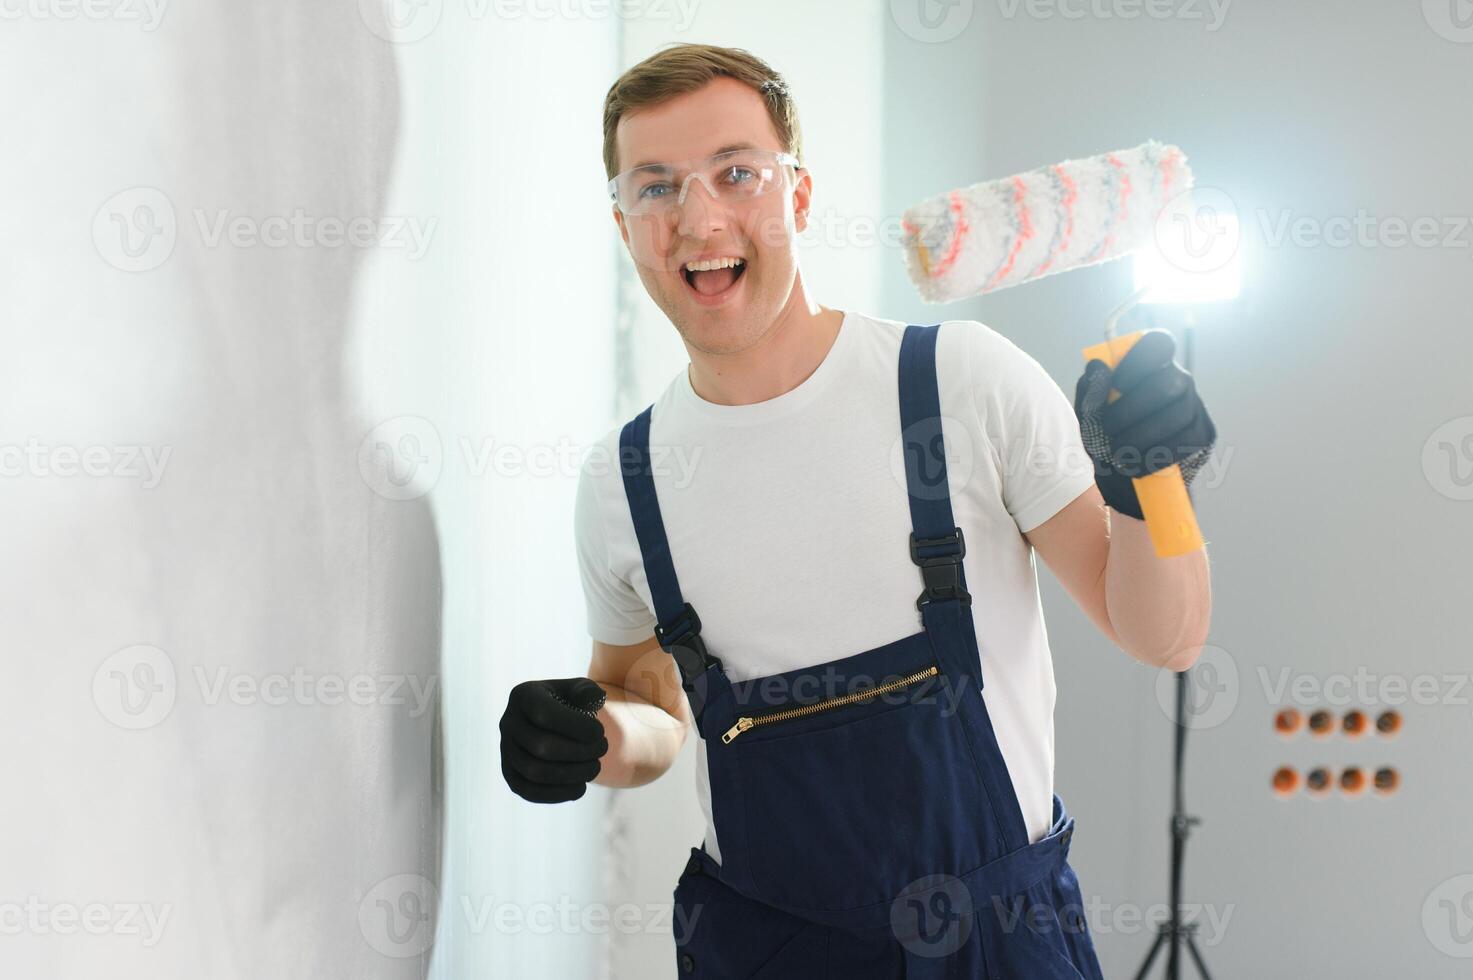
[1074,214]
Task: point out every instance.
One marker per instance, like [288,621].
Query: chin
[718,331]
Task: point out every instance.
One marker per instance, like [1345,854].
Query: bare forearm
[1160,608]
[643,739]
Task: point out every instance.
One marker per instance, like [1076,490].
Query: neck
[781,359]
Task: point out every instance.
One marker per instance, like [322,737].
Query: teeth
[710,264]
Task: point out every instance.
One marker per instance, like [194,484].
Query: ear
[619,220]
[802,198]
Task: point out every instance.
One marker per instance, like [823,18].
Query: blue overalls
[868,825]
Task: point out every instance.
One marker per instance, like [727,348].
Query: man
[763,529]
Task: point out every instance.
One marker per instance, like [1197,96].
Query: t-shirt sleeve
[616,613]
[1032,425]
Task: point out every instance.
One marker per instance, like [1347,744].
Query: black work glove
[1157,421]
[551,738]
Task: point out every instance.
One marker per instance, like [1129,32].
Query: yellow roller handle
[1163,494]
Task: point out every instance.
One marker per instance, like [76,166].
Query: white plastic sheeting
[222,577]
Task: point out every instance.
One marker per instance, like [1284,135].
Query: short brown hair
[686,67]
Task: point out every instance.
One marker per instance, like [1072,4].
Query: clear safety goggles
[730,177]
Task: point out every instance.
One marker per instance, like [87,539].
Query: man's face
[761,231]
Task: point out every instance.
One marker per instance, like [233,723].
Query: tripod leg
[1151,956]
[1197,957]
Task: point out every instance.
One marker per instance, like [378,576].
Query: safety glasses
[731,177]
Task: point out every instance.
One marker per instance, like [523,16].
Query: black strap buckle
[682,640]
[942,573]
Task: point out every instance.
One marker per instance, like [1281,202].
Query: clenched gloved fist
[1158,419]
[551,738]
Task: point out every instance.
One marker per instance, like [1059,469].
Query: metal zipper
[745,723]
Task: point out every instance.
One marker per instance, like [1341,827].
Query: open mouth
[712,281]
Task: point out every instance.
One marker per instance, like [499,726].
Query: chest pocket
[846,802]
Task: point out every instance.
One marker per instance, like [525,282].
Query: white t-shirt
[789,523]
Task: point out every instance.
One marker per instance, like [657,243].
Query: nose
[701,213]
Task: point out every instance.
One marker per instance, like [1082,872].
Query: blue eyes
[734,176]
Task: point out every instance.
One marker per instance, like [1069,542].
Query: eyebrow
[725,149]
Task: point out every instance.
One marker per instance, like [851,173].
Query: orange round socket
[1353,781]
[1321,723]
[1388,722]
[1317,781]
[1286,780]
[1387,780]
[1288,721]
[1354,723]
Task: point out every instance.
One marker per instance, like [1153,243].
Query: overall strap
[937,546]
[936,543]
[677,627]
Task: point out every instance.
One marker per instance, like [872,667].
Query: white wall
[497,347]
